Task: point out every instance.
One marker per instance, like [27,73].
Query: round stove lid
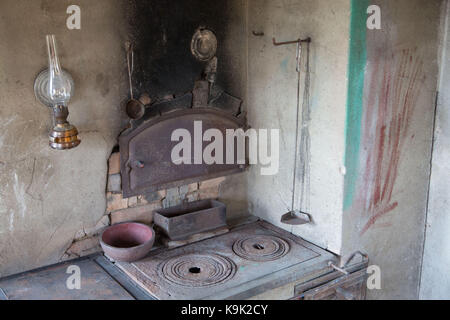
[197,270]
[204,44]
[261,248]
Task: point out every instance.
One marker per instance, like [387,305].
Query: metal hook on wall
[258,33]
[299,48]
[275,43]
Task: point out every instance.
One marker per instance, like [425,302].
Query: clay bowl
[127,242]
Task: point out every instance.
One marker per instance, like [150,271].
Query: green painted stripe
[356,67]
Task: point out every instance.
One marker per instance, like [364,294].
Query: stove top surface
[243,263]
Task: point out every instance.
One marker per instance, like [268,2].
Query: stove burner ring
[261,248]
[197,270]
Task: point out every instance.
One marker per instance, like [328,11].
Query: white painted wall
[272,103]
[435,280]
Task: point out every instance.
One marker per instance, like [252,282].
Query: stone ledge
[83,247]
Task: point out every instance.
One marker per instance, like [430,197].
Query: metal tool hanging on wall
[296,216]
[135,109]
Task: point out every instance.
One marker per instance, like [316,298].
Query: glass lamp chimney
[59,85]
[63,135]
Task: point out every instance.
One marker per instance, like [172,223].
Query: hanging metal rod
[275,43]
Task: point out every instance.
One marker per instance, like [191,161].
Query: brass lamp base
[64,137]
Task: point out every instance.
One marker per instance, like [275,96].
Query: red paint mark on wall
[395,84]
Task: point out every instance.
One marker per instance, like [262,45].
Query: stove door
[147,162]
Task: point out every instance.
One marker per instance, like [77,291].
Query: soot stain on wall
[162,31]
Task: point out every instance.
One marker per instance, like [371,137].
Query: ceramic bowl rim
[152,239]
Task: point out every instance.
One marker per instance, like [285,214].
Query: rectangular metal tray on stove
[181,221]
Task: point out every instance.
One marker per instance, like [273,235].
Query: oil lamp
[54,87]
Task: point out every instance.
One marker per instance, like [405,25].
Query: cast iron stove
[252,260]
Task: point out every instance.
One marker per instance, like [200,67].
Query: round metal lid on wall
[204,44]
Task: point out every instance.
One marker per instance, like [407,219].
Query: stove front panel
[223,266]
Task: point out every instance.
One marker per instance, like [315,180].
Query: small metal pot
[135,109]
[128,241]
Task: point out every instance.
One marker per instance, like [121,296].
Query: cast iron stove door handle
[136,164]
[133,165]
[139,164]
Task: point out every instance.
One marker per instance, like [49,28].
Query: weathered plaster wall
[435,280]
[385,206]
[374,128]
[49,198]
[46,196]
[272,104]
